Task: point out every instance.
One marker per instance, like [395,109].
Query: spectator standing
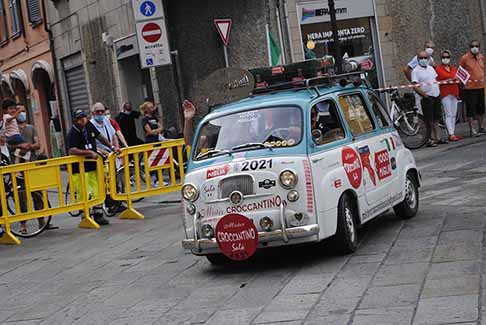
[103,125]
[449,94]
[150,123]
[126,119]
[82,142]
[116,126]
[429,49]
[29,134]
[407,70]
[473,62]
[424,76]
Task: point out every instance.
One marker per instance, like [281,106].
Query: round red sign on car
[237,236]
[352,166]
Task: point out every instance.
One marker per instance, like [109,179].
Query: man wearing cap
[82,142]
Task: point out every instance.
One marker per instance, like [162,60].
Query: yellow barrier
[22,181]
[144,160]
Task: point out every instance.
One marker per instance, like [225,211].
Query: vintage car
[294,166]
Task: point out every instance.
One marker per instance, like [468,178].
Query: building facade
[27,73]
[385,34]
[98,58]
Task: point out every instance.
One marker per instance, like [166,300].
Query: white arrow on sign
[224,27]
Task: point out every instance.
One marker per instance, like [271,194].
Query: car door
[329,148]
[389,137]
[369,141]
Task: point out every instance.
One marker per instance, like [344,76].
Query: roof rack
[315,82]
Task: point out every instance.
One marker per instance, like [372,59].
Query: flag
[274,50]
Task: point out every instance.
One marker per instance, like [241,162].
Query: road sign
[147,9]
[224,27]
[151,32]
[153,43]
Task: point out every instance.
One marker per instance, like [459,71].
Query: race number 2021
[257,164]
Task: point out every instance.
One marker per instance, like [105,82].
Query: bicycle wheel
[67,201]
[413,130]
[32,227]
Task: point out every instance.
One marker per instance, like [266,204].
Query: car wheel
[346,237]
[409,206]
[218,259]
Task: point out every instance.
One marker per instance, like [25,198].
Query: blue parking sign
[149,61]
[147,8]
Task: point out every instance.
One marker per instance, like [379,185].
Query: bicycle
[411,125]
[24,229]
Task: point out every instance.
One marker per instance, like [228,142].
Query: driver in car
[325,131]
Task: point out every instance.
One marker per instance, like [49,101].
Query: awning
[5,78]
[44,65]
[20,75]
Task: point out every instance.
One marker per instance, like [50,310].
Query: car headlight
[288,179]
[190,193]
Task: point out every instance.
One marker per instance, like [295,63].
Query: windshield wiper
[213,153]
[251,145]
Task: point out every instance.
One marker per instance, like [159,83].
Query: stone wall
[78,25]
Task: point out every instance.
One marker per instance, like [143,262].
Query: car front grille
[242,183]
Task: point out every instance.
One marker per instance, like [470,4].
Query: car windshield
[264,128]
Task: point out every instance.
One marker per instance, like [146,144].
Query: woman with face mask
[449,94]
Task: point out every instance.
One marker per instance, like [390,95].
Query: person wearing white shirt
[103,125]
[424,77]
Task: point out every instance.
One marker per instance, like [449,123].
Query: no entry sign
[151,32]
[237,236]
[153,43]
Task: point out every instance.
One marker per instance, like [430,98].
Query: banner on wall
[318,12]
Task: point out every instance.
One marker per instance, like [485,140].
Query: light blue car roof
[299,97]
[293,97]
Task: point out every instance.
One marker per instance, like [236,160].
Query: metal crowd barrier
[146,162]
[20,181]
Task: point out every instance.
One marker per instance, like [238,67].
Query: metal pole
[267,30]
[335,37]
[226,56]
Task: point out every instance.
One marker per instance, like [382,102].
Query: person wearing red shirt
[449,94]
[117,128]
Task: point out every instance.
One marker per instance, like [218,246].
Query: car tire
[346,238]
[409,206]
[218,259]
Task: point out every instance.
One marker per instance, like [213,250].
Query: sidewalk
[462,130]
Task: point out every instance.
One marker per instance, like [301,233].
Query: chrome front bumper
[202,245]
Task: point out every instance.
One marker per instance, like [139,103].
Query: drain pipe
[482,7]
[291,46]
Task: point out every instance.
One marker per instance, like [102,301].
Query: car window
[326,126]
[380,112]
[356,114]
[247,130]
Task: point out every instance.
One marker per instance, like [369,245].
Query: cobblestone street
[427,270]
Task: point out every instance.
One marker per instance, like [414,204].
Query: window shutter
[34,11]
[14,14]
[3,23]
